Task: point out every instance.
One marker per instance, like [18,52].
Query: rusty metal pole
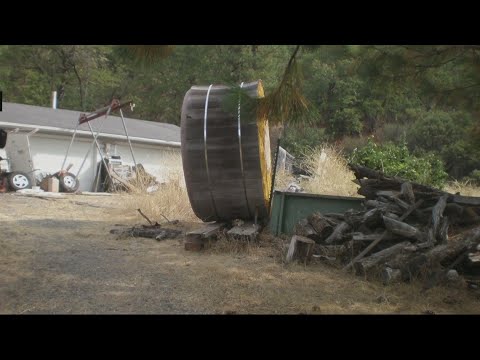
[69,146]
[88,151]
[100,151]
[129,143]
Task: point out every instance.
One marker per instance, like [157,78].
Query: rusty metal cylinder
[225,153]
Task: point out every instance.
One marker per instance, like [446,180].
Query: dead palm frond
[286,103]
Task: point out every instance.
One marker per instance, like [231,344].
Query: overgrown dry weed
[329,171]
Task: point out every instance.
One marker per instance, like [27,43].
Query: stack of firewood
[406,230]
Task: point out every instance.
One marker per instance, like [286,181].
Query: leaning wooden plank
[403,229]
[437,214]
[364,265]
[337,233]
[375,243]
[301,248]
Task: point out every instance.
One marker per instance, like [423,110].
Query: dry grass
[170,200]
[464,188]
[49,268]
[330,173]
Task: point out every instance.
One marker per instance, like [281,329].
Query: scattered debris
[246,231]
[294,187]
[156,232]
[146,218]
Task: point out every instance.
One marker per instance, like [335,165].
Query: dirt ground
[58,257]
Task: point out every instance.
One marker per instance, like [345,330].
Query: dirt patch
[57,256]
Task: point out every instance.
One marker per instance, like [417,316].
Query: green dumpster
[289,207]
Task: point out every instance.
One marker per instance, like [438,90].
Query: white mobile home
[42,136]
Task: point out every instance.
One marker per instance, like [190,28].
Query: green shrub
[297,140]
[396,160]
[347,121]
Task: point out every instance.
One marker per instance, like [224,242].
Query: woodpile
[407,230]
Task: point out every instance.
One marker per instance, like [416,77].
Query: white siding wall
[48,152]
[159,161]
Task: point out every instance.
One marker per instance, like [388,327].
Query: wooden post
[301,248]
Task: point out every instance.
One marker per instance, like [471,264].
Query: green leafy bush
[396,160]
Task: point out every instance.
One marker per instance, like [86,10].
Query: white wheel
[69,181]
[19,181]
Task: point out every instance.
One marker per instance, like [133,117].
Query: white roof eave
[56,130]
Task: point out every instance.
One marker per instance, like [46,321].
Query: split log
[365,237]
[320,224]
[353,218]
[402,204]
[407,192]
[363,266]
[474,258]
[388,193]
[384,206]
[301,248]
[391,216]
[361,237]
[403,229]
[443,255]
[338,232]
[364,172]
[464,200]
[442,236]
[375,243]
[393,183]
[437,214]
[430,241]
[372,218]
[335,216]
[303,228]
